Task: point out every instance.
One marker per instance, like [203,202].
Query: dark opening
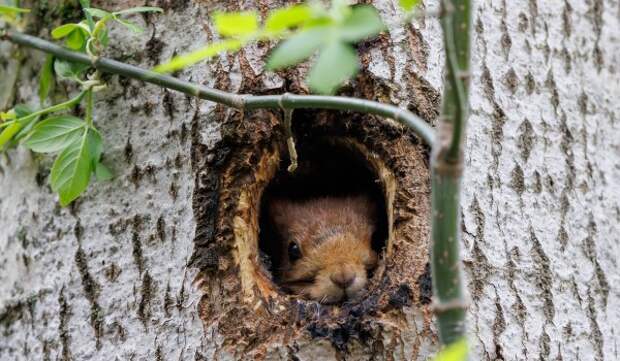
[326,167]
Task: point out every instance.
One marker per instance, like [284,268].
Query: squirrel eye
[294,253]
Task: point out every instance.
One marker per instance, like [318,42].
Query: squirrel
[326,246]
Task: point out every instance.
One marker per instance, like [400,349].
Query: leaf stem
[239,101]
[55,108]
[6,124]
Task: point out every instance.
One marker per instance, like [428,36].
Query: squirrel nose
[343,279]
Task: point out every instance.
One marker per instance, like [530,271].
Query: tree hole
[340,154]
[328,168]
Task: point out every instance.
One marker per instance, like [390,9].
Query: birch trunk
[109,278]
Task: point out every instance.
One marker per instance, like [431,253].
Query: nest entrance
[327,167]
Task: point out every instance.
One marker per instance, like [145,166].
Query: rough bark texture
[108,278]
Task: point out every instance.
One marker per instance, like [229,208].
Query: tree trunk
[150,265]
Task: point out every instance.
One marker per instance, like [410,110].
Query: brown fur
[334,235]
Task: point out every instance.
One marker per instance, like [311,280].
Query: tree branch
[239,101]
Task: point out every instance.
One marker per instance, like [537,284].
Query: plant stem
[447,165]
[344,103]
[457,90]
[54,108]
[239,101]
[89,107]
[6,124]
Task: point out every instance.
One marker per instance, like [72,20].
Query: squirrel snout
[343,278]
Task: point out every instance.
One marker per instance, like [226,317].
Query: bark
[110,277]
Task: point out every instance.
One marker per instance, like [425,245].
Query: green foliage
[68,70]
[298,48]
[408,5]
[91,36]
[79,146]
[75,35]
[73,167]
[106,16]
[55,133]
[46,79]
[7,134]
[307,28]
[337,62]
[12,10]
[362,22]
[286,18]
[12,14]
[456,351]
[209,51]
[102,173]
[77,142]
[236,24]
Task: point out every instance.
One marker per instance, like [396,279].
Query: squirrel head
[326,247]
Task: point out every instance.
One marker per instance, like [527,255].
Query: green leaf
[102,173]
[8,133]
[64,30]
[73,167]
[363,22]
[131,26]
[97,13]
[456,351]
[336,64]
[139,9]
[56,133]
[76,40]
[296,49]
[75,34]
[89,19]
[22,110]
[95,145]
[288,17]
[68,70]
[235,24]
[46,78]
[408,5]
[6,116]
[103,38]
[12,10]
[183,61]
[26,128]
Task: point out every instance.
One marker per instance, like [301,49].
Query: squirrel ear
[363,206]
[279,212]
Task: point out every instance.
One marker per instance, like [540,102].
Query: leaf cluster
[306,30]
[77,142]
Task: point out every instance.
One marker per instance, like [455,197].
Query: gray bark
[108,279]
